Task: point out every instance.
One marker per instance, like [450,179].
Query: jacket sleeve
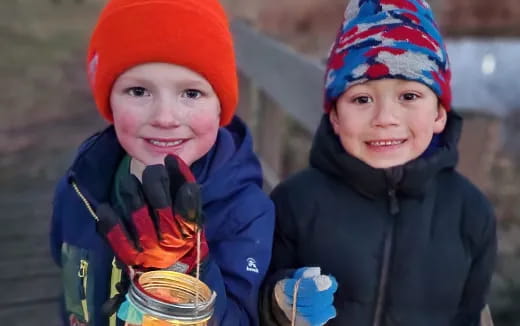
[283,261]
[55,229]
[56,238]
[239,260]
[479,278]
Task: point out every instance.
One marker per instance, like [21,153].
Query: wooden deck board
[29,289]
[29,281]
[38,313]
[29,267]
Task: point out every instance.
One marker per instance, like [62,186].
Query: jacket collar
[95,164]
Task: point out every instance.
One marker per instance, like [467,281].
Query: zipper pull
[82,274]
[83,266]
[394,204]
[393,178]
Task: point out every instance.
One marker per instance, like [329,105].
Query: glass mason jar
[169,298]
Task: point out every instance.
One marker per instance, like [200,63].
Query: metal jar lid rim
[165,310]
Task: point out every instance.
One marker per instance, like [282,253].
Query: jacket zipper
[83,275]
[85,201]
[389,242]
[83,265]
[116,274]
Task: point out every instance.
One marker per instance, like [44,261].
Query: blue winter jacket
[239,223]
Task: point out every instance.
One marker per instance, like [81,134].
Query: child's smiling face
[387,122]
[162,108]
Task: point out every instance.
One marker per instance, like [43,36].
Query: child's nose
[385,114]
[165,113]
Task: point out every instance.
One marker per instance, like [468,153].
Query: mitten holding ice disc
[306,298]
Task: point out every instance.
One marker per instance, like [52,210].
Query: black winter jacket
[413,245]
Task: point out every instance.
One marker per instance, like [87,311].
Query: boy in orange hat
[174,161]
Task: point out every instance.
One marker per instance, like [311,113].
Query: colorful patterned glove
[314,298]
[161,220]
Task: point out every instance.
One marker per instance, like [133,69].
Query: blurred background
[46,111]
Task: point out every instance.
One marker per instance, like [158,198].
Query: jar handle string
[197,273]
[295,295]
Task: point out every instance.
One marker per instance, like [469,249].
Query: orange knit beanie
[190,33]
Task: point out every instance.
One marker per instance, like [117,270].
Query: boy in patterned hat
[174,164]
[381,229]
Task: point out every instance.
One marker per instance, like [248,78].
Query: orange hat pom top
[190,33]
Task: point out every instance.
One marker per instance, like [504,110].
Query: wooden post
[249,105]
[270,139]
[478,147]
[257,111]
[248,102]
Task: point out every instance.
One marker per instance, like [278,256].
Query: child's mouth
[385,143]
[161,143]
[168,145]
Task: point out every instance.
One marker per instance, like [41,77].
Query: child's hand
[314,298]
[163,216]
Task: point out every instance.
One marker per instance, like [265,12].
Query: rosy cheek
[204,124]
[126,130]
[127,126]
[125,123]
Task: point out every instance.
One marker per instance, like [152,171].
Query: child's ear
[440,120]
[334,119]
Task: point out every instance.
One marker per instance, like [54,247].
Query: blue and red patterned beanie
[388,39]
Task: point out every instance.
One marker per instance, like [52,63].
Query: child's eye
[192,93]
[362,100]
[409,96]
[137,91]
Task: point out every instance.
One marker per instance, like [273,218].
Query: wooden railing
[278,85]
